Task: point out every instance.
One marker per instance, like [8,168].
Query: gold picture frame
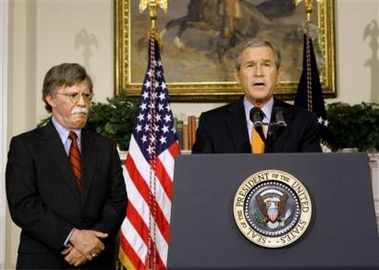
[195,70]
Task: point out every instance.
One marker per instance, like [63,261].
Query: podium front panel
[342,232]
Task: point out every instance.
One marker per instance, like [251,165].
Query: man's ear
[279,75]
[236,75]
[51,100]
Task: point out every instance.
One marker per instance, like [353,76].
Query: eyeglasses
[75,96]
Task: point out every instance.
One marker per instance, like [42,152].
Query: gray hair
[255,43]
[66,74]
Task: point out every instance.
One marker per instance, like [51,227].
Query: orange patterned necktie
[257,143]
[74,158]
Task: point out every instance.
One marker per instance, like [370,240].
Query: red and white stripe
[135,230]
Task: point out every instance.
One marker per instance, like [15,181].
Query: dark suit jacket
[45,202]
[224,130]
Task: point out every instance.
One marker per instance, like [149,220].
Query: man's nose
[81,100]
[258,71]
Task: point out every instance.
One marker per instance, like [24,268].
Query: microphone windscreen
[256,116]
[279,116]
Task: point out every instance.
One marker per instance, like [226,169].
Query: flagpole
[151,259]
[309,94]
[144,234]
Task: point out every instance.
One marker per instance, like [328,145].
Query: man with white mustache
[227,129]
[67,220]
[79,110]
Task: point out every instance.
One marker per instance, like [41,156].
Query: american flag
[149,173]
[309,93]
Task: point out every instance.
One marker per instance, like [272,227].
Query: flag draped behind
[309,93]
[149,173]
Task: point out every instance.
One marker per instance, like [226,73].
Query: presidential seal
[272,208]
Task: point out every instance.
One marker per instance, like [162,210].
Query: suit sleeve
[203,143]
[27,209]
[114,209]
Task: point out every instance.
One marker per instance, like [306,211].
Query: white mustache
[78,110]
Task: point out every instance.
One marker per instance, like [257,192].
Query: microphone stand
[269,139]
[256,116]
[272,129]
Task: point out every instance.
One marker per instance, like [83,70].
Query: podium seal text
[272,208]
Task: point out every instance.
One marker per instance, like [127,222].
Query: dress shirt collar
[267,109]
[63,132]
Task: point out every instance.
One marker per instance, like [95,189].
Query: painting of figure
[201,37]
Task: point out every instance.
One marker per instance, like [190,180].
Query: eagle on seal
[273,208]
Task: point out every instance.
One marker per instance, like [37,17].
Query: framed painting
[198,46]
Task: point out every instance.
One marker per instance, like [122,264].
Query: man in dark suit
[286,128]
[69,217]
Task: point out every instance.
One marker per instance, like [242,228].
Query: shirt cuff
[66,243]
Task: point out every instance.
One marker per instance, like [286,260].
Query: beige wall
[354,80]
[46,32]
[3,121]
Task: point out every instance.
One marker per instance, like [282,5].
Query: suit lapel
[237,128]
[59,157]
[89,159]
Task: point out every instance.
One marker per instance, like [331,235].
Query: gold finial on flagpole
[308,7]
[153,5]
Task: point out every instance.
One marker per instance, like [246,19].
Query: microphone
[279,117]
[275,128]
[256,116]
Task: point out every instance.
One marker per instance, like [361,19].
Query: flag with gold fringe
[309,93]
[144,234]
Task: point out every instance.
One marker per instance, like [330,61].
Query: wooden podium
[342,234]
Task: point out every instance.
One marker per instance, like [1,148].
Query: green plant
[114,119]
[354,126]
